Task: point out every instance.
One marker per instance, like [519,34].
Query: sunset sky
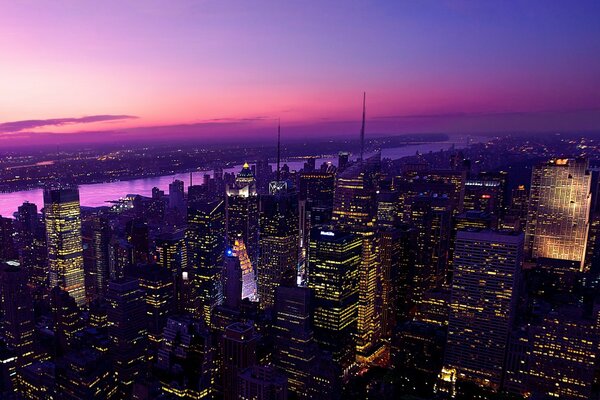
[199,68]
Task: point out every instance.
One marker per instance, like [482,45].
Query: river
[98,194]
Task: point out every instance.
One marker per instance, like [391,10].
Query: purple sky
[205,68]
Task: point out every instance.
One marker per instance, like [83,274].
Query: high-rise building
[173,256]
[17,307]
[127,331]
[8,250]
[562,356]
[176,195]
[101,234]
[239,352]
[262,383]
[32,244]
[431,218]
[559,210]
[157,285]
[206,247]
[242,213]
[355,202]
[138,236]
[65,251]
[185,359]
[294,341]
[278,243]
[85,375]
[487,267]
[334,262]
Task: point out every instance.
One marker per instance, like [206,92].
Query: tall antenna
[362,129]
[190,178]
[278,149]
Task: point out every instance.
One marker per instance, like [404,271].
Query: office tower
[85,375]
[389,211]
[294,342]
[464,221]
[559,209]
[334,262]
[38,380]
[515,217]
[176,195]
[17,308]
[185,359]
[67,319]
[120,255]
[369,349]
[239,352]
[262,383]
[355,202]
[315,205]
[127,331]
[173,257]
[343,158]
[63,232]
[8,251]
[157,286]
[232,281]
[97,234]
[487,266]
[484,195]
[31,238]
[431,218]
[137,233]
[417,179]
[392,263]
[242,213]
[206,247]
[317,188]
[279,240]
[563,354]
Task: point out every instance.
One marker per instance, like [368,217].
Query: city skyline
[147,70]
[260,200]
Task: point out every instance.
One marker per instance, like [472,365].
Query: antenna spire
[278,149]
[362,129]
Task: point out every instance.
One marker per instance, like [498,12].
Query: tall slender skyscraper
[487,267]
[559,210]
[206,245]
[241,213]
[127,331]
[278,243]
[65,251]
[17,306]
[334,262]
[294,341]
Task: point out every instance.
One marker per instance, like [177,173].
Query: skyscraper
[206,246]
[278,243]
[354,204]
[242,213]
[559,210]
[487,267]
[176,195]
[239,352]
[263,383]
[63,231]
[127,330]
[17,307]
[334,262]
[294,341]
